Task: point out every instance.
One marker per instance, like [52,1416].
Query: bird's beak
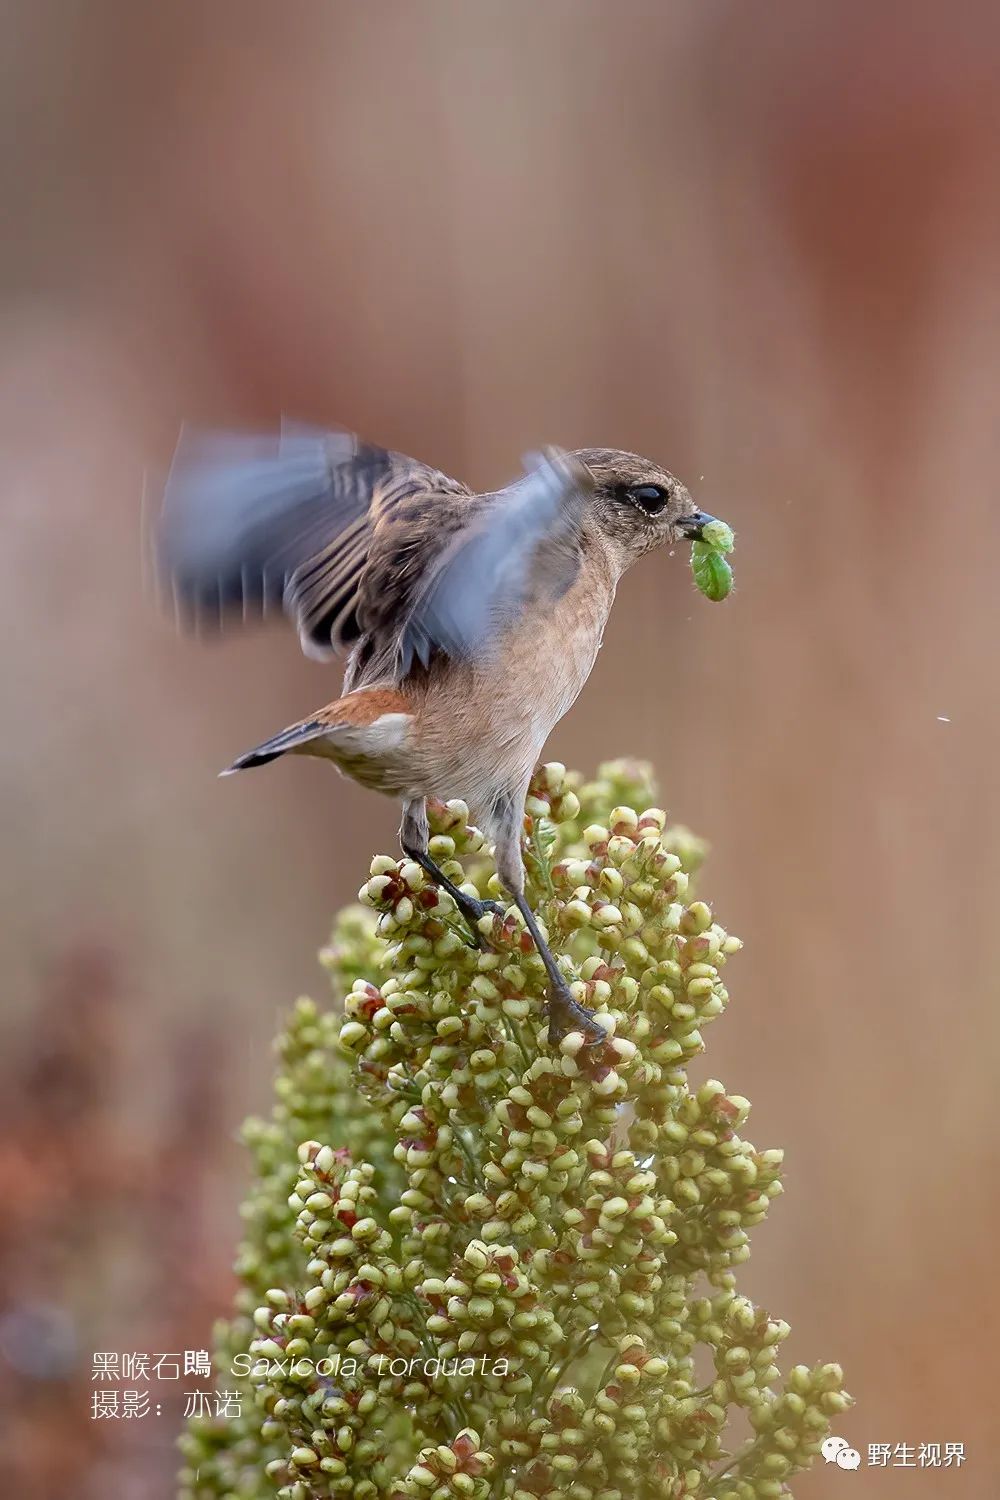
[691,527]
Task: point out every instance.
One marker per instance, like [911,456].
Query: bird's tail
[292,738]
[369,721]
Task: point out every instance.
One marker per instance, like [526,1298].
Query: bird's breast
[483,725]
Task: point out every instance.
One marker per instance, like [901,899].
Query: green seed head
[455,1222]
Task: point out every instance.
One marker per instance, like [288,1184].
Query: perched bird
[470,621]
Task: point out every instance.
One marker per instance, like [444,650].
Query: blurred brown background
[759,242]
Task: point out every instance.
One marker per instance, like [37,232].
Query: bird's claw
[567,1015]
[474,910]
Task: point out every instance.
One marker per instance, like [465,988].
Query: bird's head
[636,505]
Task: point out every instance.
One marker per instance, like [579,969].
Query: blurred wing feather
[250,523]
[516,549]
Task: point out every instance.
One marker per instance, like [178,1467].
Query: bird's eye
[649,497]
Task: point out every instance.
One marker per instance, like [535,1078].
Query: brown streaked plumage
[470,621]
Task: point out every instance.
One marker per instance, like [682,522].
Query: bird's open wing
[252,523]
[499,556]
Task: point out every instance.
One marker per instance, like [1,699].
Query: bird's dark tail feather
[279,744]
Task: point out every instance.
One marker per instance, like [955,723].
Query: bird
[470,621]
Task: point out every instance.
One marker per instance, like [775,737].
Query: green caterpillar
[712,573]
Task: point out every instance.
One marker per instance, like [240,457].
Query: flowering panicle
[479,1266]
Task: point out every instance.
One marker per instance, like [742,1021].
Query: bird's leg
[565,1013]
[414,836]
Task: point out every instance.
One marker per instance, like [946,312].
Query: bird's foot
[474,910]
[567,1015]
